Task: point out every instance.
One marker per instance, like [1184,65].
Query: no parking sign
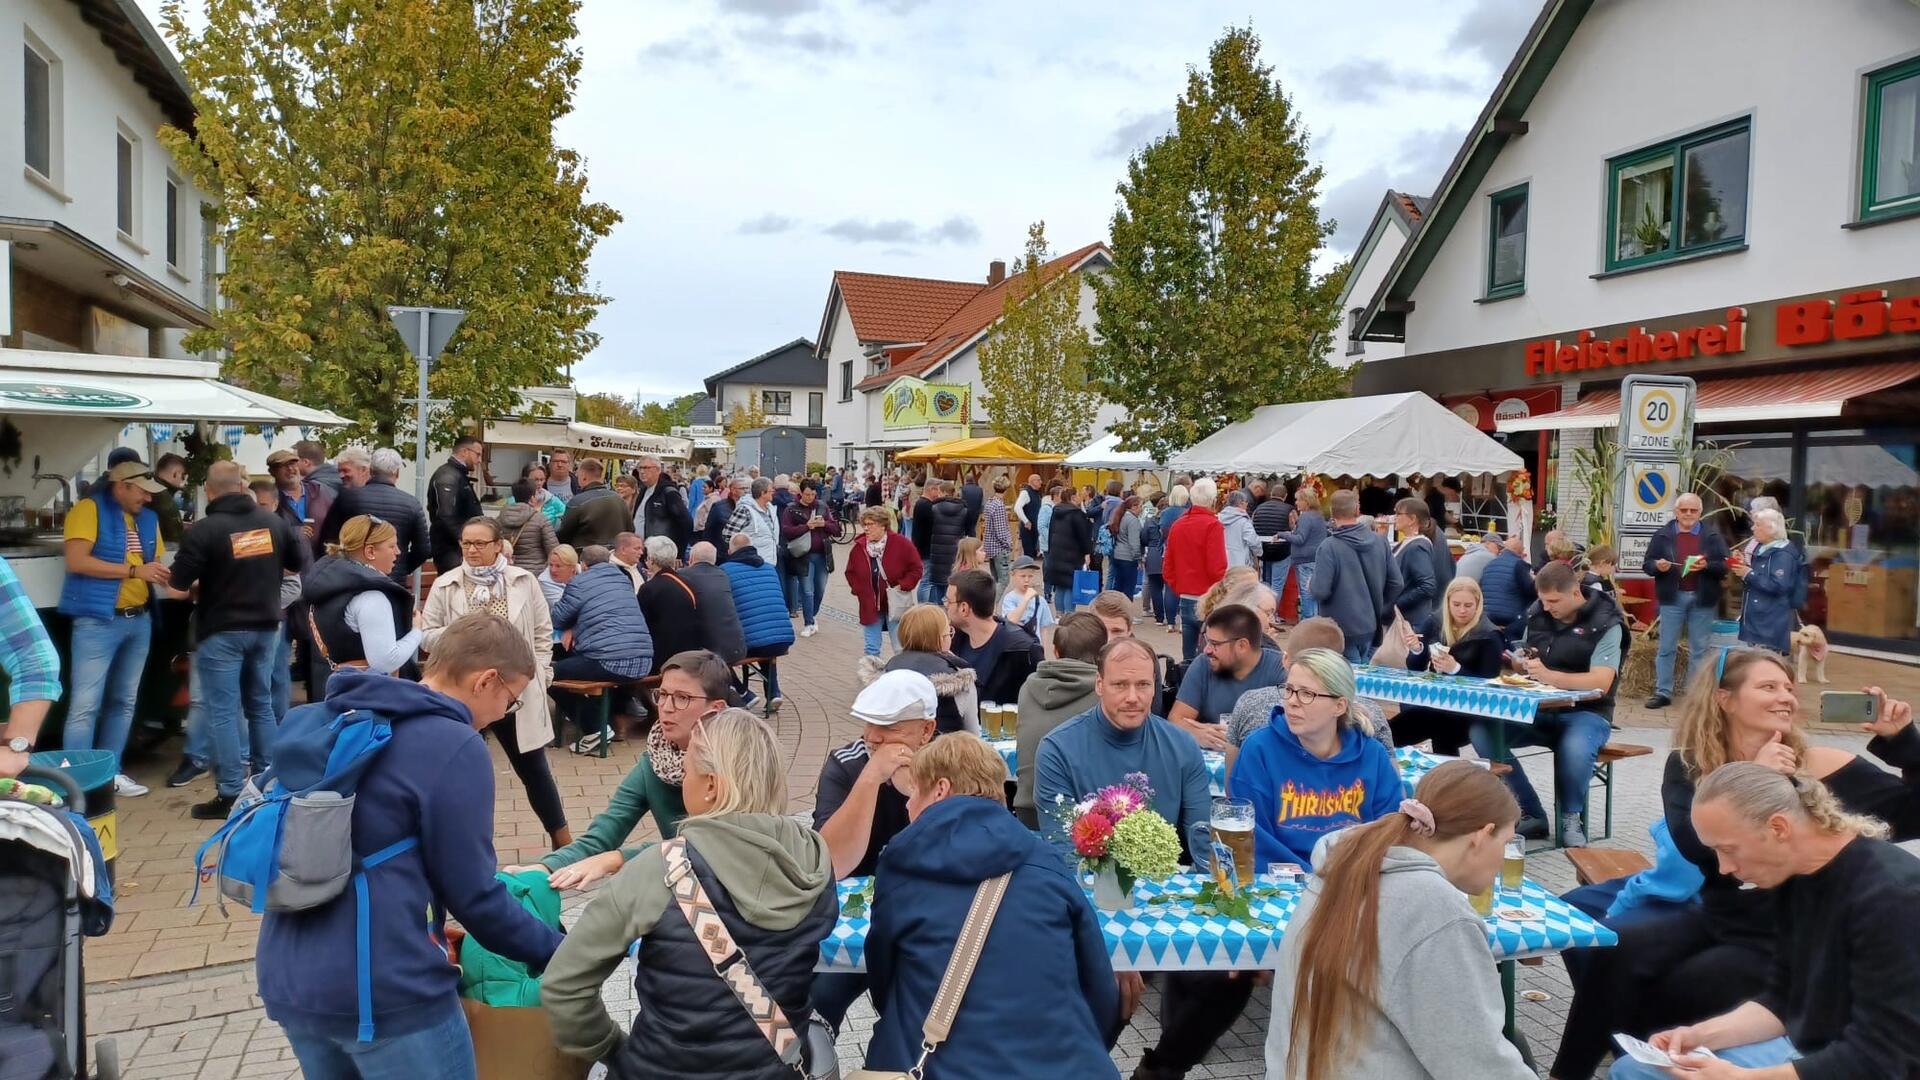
[1656,428]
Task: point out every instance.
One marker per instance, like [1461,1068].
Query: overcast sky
[756,146]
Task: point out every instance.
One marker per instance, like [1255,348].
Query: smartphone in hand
[1847,707]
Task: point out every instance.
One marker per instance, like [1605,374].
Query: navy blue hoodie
[433,781]
[1298,798]
[1042,1002]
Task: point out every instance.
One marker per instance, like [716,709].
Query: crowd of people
[1760,935]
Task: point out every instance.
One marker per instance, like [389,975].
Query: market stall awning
[1382,435]
[593,438]
[38,383]
[988,451]
[1794,395]
[1105,453]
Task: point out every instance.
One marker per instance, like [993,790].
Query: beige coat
[527,610]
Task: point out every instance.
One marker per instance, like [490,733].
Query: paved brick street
[174,984]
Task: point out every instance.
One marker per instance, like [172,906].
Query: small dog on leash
[1810,651]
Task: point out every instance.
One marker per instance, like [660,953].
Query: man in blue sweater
[434,781]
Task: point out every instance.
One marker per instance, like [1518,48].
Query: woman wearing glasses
[1317,772]
[486,581]
[361,617]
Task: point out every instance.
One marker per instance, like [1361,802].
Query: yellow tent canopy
[992,451]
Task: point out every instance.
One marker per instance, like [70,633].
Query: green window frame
[1507,242]
[1675,220]
[1874,202]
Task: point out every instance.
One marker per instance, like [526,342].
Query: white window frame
[54,178]
[130,231]
[767,398]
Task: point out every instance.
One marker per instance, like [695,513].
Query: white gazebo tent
[1383,435]
[1105,453]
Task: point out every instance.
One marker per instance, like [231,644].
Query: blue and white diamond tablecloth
[1009,751]
[1173,937]
[1415,763]
[1461,694]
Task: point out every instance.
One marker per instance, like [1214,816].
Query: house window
[1355,346]
[127,184]
[1679,198]
[776,402]
[37,99]
[1507,242]
[1890,172]
[173,222]
[846,380]
[816,409]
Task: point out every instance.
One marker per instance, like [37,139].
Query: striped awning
[1793,395]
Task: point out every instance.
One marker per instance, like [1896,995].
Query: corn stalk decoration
[1599,468]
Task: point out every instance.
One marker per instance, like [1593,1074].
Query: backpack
[287,845]
[1103,544]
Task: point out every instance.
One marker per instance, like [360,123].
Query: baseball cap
[896,697]
[132,472]
[1025,562]
[281,457]
[1492,537]
[121,455]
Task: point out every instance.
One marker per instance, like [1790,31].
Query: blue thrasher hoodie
[434,781]
[1045,956]
[1298,798]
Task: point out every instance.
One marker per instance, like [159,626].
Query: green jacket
[641,791]
[492,979]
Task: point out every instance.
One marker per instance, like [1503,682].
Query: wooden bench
[764,665]
[1593,865]
[597,689]
[1603,775]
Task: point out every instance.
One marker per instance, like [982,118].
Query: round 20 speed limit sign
[1656,422]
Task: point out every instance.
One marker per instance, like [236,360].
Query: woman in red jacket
[881,561]
[1195,559]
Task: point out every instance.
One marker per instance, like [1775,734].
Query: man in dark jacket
[722,498]
[237,554]
[1688,562]
[939,523]
[315,467]
[1026,511]
[432,784]
[1069,547]
[975,499]
[1271,517]
[663,508]
[1507,585]
[303,503]
[596,515]
[1002,656]
[1355,579]
[714,621]
[762,607]
[380,498]
[452,502]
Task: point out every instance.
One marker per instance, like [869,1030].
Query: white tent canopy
[1105,453]
[139,389]
[1384,435]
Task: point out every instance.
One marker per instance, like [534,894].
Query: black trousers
[1417,724]
[531,767]
[1196,1008]
[1030,541]
[1666,972]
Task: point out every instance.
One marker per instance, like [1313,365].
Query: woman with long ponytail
[1388,972]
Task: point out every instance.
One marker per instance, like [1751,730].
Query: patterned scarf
[669,761]
[486,581]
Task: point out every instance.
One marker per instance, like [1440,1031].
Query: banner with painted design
[915,403]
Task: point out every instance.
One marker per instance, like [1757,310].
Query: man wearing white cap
[862,804]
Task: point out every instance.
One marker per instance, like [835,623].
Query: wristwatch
[20,744]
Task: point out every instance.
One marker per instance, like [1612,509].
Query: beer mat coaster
[1535,995]
[1514,914]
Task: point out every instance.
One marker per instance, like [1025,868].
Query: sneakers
[774,703]
[585,744]
[748,699]
[1659,701]
[186,774]
[125,788]
[809,630]
[1532,827]
[1573,831]
[214,809]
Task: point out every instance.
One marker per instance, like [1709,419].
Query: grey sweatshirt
[1439,1012]
[1057,691]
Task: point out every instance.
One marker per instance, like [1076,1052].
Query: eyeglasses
[475,545]
[677,700]
[512,707]
[1303,695]
[1213,644]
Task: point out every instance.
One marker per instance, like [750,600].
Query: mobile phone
[1846,707]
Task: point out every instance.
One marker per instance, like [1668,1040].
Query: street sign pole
[425,331]
[1656,435]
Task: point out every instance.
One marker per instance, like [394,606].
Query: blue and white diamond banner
[1461,694]
[1009,751]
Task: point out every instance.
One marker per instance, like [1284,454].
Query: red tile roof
[976,315]
[889,308]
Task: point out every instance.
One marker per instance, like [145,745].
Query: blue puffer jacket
[600,609]
[1044,956]
[757,597]
[1773,587]
[1507,586]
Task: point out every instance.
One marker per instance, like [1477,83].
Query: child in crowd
[1025,603]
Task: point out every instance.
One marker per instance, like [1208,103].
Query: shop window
[1890,171]
[1861,528]
[1684,197]
[1507,242]
[776,402]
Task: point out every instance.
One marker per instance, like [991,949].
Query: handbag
[810,1053]
[953,984]
[1393,648]
[801,546]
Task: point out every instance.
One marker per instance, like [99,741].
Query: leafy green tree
[609,410]
[744,417]
[372,152]
[1034,364]
[1213,308]
[662,417]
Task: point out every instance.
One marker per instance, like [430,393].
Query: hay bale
[1637,675]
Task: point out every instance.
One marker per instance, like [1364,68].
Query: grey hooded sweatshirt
[1439,1012]
[1057,691]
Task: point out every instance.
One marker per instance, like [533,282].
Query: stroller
[53,890]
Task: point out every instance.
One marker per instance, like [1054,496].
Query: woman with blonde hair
[926,646]
[1706,958]
[971,555]
[486,581]
[361,617]
[738,857]
[563,562]
[1308,532]
[1457,639]
[1387,971]
[1235,579]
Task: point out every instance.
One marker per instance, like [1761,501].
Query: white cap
[896,697]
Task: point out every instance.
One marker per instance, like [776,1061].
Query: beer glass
[1232,821]
[1513,868]
[990,719]
[1483,901]
[1010,719]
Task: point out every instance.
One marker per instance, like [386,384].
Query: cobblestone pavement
[173,985]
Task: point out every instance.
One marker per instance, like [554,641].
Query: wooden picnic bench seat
[1593,865]
[1603,775]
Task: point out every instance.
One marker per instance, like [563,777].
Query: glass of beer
[1232,821]
[990,719]
[1483,901]
[1010,719]
[1513,868]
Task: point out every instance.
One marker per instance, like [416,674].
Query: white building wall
[1638,72]
[1370,266]
[94,97]
[846,420]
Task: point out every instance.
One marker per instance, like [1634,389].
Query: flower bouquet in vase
[1120,838]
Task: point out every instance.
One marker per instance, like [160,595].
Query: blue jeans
[236,680]
[789,587]
[1189,628]
[444,1051]
[283,678]
[1169,604]
[1126,577]
[1277,576]
[1697,618]
[1576,736]
[1308,608]
[1752,1056]
[873,633]
[812,586]
[834,992]
[1358,651]
[928,593]
[108,657]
